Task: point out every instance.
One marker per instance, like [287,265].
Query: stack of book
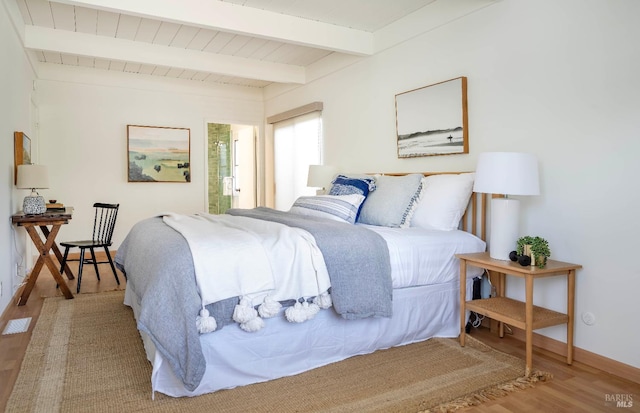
[55,207]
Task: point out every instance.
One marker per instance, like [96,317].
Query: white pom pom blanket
[285,262]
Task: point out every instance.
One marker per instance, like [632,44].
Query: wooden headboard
[474,219]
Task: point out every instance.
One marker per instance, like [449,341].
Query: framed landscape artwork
[432,120]
[158,154]
[21,152]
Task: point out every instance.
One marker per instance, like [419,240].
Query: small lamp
[319,176]
[505,173]
[33,177]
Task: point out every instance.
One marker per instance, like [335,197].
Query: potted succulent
[535,247]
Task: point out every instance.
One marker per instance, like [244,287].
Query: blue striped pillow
[344,185]
[335,207]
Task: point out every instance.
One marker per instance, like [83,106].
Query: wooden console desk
[54,219]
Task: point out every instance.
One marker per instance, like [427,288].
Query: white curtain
[297,144]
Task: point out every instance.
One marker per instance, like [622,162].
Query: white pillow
[444,201]
[393,202]
[335,207]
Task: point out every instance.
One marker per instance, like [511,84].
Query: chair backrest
[104,222]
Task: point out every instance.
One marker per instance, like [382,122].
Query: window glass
[297,144]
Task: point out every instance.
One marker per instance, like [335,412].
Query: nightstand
[523,315]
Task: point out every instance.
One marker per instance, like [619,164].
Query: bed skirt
[237,358]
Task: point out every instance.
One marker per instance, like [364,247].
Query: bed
[377,260]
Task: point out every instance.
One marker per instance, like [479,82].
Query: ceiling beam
[249,21]
[62,41]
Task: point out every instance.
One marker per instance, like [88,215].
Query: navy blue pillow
[343,185]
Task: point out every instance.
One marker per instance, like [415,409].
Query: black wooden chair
[103,224]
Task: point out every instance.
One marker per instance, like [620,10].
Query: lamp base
[34,204]
[504,227]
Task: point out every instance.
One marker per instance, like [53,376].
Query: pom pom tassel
[301,312]
[252,325]
[296,314]
[243,312]
[205,323]
[269,307]
[323,300]
[247,316]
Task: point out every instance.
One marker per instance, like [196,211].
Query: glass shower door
[220,168]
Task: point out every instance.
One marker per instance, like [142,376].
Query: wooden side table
[55,220]
[523,315]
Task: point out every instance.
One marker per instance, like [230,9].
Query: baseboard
[583,356]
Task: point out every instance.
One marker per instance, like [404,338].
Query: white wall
[558,79]
[16,78]
[83,119]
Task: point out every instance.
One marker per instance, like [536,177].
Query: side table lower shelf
[512,312]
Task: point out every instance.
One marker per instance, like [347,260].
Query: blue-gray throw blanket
[159,267]
[357,260]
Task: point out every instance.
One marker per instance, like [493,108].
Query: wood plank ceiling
[241,42]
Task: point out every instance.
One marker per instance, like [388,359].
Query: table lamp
[505,173]
[319,176]
[33,177]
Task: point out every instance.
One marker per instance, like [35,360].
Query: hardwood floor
[576,388]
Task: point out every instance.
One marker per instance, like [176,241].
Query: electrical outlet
[588,318]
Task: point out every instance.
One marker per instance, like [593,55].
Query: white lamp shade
[507,173]
[33,177]
[320,175]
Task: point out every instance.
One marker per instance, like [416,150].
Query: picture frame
[158,154]
[21,152]
[433,120]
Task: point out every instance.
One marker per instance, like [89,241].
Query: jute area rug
[85,355]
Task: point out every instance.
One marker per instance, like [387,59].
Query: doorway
[231,162]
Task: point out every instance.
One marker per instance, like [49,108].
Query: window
[297,144]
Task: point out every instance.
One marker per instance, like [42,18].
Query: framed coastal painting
[432,120]
[21,152]
[158,154]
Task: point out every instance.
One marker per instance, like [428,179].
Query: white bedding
[427,256]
